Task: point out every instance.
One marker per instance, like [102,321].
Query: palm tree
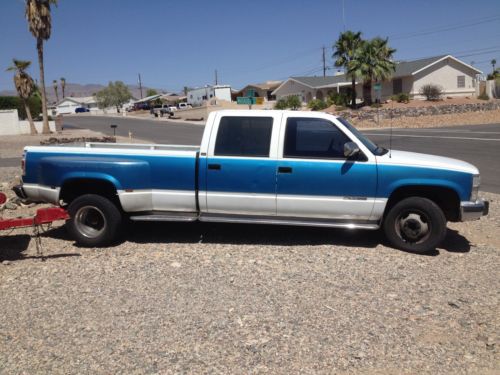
[345,48]
[40,25]
[63,86]
[493,64]
[373,62]
[25,87]
[56,89]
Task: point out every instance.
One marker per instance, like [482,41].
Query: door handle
[215,167]
[284,169]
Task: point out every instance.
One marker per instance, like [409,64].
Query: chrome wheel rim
[413,226]
[90,221]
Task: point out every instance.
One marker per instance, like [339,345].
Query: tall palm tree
[345,48]
[63,86]
[40,25]
[56,89]
[373,62]
[25,87]
[493,64]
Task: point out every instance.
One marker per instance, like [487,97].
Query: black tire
[94,220]
[415,224]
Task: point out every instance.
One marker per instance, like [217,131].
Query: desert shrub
[292,102]
[401,97]
[340,99]
[317,105]
[431,92]
[375,105]
[281,104]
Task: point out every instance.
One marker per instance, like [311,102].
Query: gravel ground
[200,298]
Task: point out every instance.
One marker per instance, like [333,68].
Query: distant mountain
[78,90]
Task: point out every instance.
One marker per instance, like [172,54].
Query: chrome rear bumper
[474,210]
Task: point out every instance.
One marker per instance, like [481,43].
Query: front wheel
[94,220]
[415,224]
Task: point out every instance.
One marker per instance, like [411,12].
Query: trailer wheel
[94,220]
[415,224]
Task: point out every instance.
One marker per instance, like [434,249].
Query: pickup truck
[260,167]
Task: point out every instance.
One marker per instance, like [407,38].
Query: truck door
[240,166]
[314,178]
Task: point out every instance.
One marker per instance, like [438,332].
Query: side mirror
[350,149]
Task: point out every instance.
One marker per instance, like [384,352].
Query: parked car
[264,167]
[81,110]
[184,106]
[161,110]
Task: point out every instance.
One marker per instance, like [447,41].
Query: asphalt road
[476,144]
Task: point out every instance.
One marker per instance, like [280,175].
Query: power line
[445,28]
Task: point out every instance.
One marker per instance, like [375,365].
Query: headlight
[476,181]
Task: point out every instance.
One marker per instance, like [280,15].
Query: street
[476,144]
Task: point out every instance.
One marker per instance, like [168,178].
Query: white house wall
[445,74]
[292,87]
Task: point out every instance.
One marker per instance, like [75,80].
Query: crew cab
[261,167]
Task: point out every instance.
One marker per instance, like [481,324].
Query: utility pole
[216,79]
[140,84]
[324,62]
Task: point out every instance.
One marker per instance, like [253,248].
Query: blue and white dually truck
[257,167]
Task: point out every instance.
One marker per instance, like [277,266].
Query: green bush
[484,96]
[281,104]
[14,102]
[340,99]
[317,105]
[292,102]
[431,92]
[401,97]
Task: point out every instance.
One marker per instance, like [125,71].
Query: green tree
[345,49]
[116,94]
[151,92]
[40,25]
[25,87]
[63,86]
[373,63]
[56,89]
[493,64]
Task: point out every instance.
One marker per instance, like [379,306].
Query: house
[260,90]
[69,104]
[198,96]
[456,78]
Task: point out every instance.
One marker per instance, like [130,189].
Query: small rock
[454,304]
[175,264]
[10,206]
[6,262]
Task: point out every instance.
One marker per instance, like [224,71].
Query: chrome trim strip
[361,224]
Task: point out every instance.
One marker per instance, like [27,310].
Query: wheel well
[75,188]
[447,199]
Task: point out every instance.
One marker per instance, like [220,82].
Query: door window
[313,138]
[244,136]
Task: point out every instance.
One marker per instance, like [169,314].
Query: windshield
[374,149]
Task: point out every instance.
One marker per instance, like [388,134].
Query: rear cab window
[244,136]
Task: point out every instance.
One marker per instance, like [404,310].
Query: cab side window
[313,138]
[244,136]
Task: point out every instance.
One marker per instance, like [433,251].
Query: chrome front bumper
[474,210]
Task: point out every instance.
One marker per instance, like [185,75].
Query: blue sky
[180,43]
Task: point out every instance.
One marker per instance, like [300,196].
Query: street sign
[245,100]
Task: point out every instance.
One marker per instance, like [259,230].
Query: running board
[266,220]
[167,216]
[329,223]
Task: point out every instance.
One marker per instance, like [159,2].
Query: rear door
[241,165]
[315,180]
